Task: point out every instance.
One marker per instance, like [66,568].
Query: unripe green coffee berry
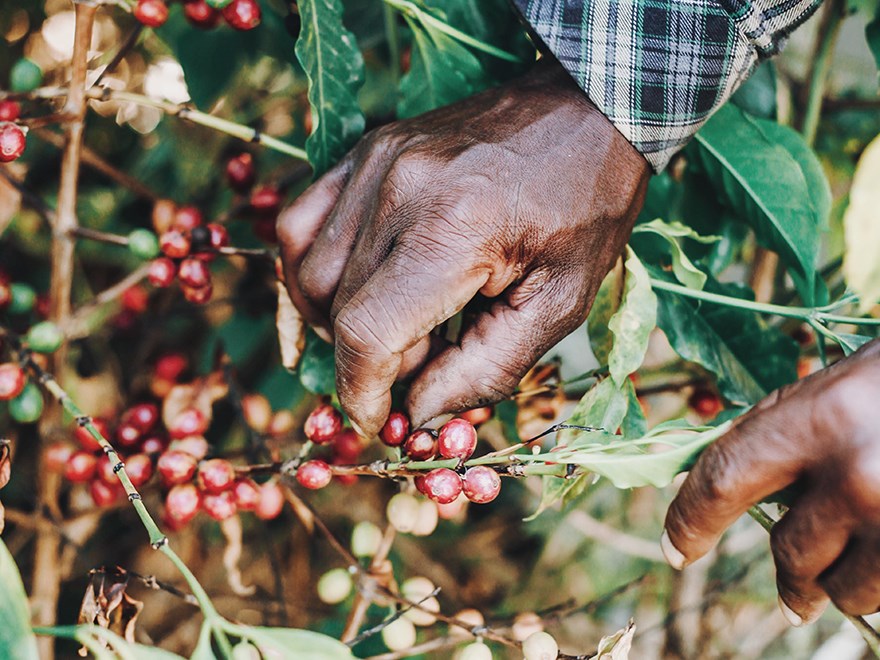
[365,539]
[44,337]
[27,407]
[418,589]
[334,586]
[218,4]
[143,243]
[245,651]
[23,298]
[399,634]
[475,651]
[427,520]
[422,618]
[25,76]
[403,512]
[540,646]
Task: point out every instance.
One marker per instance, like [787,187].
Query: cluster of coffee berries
[187,245]
[205,14]
[19,299]
[264,200]
[25,401]
[13,137]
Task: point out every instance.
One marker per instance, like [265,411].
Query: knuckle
[718,475]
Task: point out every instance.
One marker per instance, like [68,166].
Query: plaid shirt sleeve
[659,68]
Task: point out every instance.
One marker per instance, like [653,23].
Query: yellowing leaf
[633,322]
[291,329]
[861,223]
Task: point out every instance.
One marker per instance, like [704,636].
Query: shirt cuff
[659,69]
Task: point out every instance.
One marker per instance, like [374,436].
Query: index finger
[408,296]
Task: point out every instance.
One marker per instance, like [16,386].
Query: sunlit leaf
[291,329]
[604,306]
[17,642]
[633,322]
[291,644]
[673,233]
[861,264]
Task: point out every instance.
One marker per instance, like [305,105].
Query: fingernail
[323,334]
[673,556]
[357,429]
[789,615]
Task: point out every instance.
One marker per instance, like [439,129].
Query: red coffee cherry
[314,474]
[344,479]
[347,446]
[246,493]
[12,381]
[242,14]
[104,468]
[188,422]
[481,484]
[12,141]
[477,416]
[421,484]
[265,230]
[705,403]
[219,506]
[170,366]
[9,110]
[154,444]
[143,416]
[271,501]
[198,296]
[161,272]
[128,435]
[323,423]
[104,494]
[200,14]
[216,475]
[57,455]
[457,439]
[395,430]
[164,211]
[152,13]
[194,445]
[194,273]
[80,467]
[182,503]
[139,468]
[241,172]
[421,445]
[219,236]
[266,200]
[176,467]
[5,293]
[175,244]
[442,485]
[187,218]
[135,299]
[86,439]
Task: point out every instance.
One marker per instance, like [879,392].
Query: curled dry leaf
[107,604]
[199,394]
[232,531]
[618,645]
[291,329]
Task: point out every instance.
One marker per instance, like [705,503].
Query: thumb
[499,347]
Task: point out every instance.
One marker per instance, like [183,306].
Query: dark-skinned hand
[820,435]
[523,195]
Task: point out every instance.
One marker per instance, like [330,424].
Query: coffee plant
[155,376]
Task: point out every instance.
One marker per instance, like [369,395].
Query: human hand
[523,194]
[820,434]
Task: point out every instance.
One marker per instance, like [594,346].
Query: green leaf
[631,325]
[335,68]
[604,307]
[292,644]
[757,95]
[872,34]
[17,641]
[602,407]
[317,366]
[442,71]
[673,233]
[634,425]
[861,223]
[748,357]
[769,176]
[851,343]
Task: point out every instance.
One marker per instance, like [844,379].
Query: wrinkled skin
[821,434]
[516,200]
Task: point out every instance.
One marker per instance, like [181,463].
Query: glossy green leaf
[292,644]
[748,357]
[317,366]
[673,233]
[861,264]
[772,180]
[335,67]
[17,641]
[442,70]
[633,322]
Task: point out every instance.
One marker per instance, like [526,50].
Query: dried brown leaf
[5,463]
[291,329]
[540,402]
[199,394]
[107,604]
[231,528]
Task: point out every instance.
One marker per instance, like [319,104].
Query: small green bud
[143,243]
[23,298]
[25,76]
[44,337]
[27,407]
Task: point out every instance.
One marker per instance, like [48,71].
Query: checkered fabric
[659,69]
